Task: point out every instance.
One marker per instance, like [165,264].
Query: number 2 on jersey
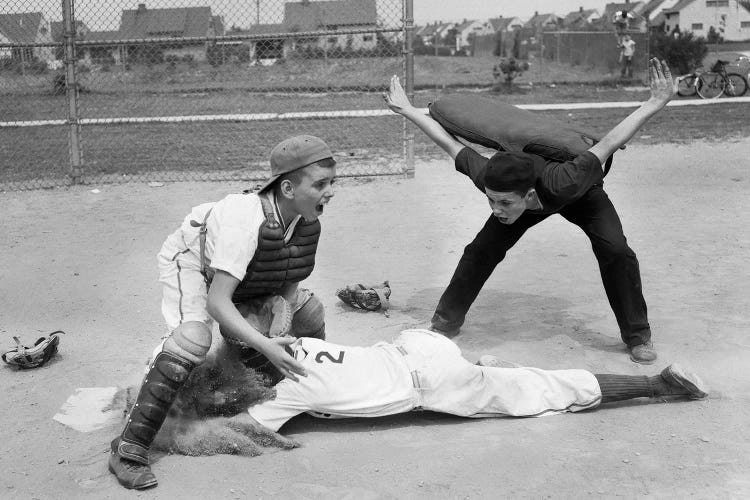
[325,354]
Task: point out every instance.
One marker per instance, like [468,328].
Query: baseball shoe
[644,354]
[684,382]
[132,475]
[495,362]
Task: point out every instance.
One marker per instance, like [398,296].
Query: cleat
[644,354]
[131,475]
[685,382]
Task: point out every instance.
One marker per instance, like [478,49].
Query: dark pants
[627,67]
[618,265]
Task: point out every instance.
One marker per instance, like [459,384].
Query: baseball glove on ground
[35,356]
[369,298]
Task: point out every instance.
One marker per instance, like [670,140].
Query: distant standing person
[627,49]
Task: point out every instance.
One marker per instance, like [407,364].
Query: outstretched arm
[399,103]
[663,88]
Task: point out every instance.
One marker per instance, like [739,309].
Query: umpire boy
[523,190]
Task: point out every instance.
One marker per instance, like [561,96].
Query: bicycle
[712,84]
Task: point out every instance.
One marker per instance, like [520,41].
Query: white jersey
[231,241]
[421,369]
[342,381]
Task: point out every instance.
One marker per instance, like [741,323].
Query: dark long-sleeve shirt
[557,183]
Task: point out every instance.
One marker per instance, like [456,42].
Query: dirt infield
[84,262]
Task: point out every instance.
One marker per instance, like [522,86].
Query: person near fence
[621,22]
[524,189]
[627,50]
[223,264]
[423,370]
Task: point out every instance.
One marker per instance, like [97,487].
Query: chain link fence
[112,90]
[582,51]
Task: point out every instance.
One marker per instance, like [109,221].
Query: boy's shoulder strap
[270,213]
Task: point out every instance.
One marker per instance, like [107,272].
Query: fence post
[408,134]
[71,91]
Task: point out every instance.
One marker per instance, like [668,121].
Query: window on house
[332,39]
[367,38]
[717,3]
[696,26]
[744,24]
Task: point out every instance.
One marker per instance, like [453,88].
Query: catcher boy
[242,256]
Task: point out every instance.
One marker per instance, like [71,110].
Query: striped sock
[621,387]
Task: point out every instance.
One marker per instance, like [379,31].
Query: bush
[682,51]
[508,69]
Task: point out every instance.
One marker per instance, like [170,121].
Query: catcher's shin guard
[167,374]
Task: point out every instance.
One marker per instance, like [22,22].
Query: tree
[682,51]
[450,37]
[508,68]
[714,36]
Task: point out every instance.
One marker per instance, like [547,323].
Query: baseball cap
[295,153]
[510,171]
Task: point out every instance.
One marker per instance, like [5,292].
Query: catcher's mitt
[369,298]
[35,356]
[272,316]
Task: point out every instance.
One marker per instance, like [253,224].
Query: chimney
[141,7]
[580,9]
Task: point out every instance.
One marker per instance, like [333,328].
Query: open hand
[663,86]
[275,351]
[396,98]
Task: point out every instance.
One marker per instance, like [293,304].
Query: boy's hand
[396,98]
[277,354]
[663,86]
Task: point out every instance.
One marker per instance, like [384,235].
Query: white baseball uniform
[231,241]
[419,370]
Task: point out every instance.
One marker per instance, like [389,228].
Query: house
[506,24]
[654,11]
[542,22]
[432,34]
[730,18]
[580,19]
[181,22]
[503,42]
[308,19]
[468,30]
[333,15]
[25,28]
[442,30]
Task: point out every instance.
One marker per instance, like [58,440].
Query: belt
[414,374]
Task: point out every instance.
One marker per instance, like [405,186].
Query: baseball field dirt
[82,260]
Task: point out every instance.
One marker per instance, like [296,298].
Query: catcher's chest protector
[504,127]
[276,263]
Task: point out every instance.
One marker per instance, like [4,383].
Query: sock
[621,387]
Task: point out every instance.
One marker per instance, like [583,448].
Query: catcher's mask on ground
[37,355]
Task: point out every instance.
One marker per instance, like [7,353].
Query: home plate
[88,409]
